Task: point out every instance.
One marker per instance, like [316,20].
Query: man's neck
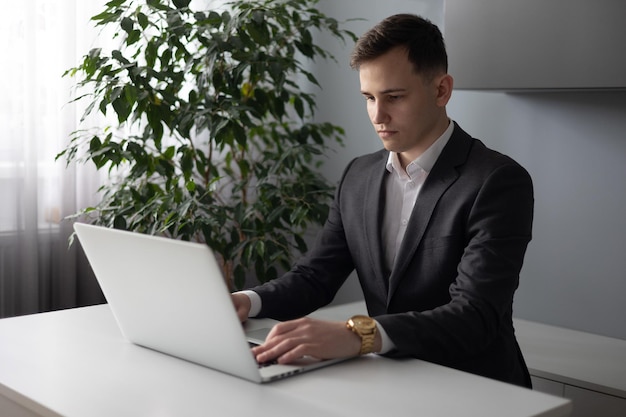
[405,158]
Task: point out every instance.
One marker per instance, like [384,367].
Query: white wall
[572,143]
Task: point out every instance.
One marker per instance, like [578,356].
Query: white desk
[581,359]
[75,363]
[588,369]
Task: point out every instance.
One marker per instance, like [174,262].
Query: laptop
[170,296]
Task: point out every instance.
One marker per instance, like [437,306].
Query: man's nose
[379,113]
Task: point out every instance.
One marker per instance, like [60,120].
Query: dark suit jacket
[449,297]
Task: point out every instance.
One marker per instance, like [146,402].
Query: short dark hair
[420,37]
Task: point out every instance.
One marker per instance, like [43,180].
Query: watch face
[363,322]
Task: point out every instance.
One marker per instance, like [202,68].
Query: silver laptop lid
[169,296]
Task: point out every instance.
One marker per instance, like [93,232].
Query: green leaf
[122,108]
[300,243]
[186,163]
[299,106]
[296,216]
[117,55]
[107,17]
[214,19]
[130,94]
[244,168]
[169,152]
[143,20]
[95,144]
[260,248]
[239,274]
[271,274]
[119,222]
[155,123]
[127,24]
[239,133]
[259,33]
[258,17]
[133,37]
[181,4]
[166,57]
[115,3]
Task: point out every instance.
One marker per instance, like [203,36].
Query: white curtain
[39,40]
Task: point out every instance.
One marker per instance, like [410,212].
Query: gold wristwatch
[365,327]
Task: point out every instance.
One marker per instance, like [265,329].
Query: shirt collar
[425,161]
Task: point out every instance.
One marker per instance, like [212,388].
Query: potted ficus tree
[213,138]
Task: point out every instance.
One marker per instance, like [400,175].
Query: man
[435,224]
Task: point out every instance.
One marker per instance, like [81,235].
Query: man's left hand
[292,340]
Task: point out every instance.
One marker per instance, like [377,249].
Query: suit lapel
[372,221]
[441,177]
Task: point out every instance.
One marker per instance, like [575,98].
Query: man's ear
[444,84]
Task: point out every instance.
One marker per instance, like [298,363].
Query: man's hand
[291,340]
[242,306]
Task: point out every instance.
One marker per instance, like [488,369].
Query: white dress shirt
[402,190]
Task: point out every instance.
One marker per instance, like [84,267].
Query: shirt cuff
[255,302]
[387,344]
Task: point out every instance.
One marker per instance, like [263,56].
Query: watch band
[365,328]
[367,344]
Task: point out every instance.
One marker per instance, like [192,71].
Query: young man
[435,224]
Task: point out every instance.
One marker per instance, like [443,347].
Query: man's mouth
[384,134]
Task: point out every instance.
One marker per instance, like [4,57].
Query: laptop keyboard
[263,364]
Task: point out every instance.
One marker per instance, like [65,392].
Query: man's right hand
[242,305]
